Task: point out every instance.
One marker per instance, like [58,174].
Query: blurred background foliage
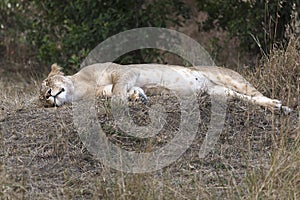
[66,31]
[265,22]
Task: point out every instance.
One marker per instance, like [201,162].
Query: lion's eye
[48,94]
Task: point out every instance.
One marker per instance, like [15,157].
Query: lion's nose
[48,95]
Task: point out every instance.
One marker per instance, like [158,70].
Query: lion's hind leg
[271,103]
[259,99]
[236,85]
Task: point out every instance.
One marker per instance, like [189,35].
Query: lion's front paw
[137,93]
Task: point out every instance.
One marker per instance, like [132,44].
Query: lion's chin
[51,102]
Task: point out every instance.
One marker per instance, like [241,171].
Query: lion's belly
[182,81]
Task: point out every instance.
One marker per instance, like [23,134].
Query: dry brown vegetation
[257,155]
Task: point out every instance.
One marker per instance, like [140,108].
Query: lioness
[108,79]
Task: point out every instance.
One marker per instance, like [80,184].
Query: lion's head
[56,89]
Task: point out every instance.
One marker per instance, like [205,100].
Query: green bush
[12,27]
[259,24]
[66,31]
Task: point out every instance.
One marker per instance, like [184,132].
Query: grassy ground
[256,157]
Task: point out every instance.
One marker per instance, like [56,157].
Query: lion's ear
[55,70]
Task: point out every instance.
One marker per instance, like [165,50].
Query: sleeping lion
[131,81]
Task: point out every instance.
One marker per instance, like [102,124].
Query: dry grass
[257,155]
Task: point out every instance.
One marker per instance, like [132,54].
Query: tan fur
[55,70]
[107,79]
